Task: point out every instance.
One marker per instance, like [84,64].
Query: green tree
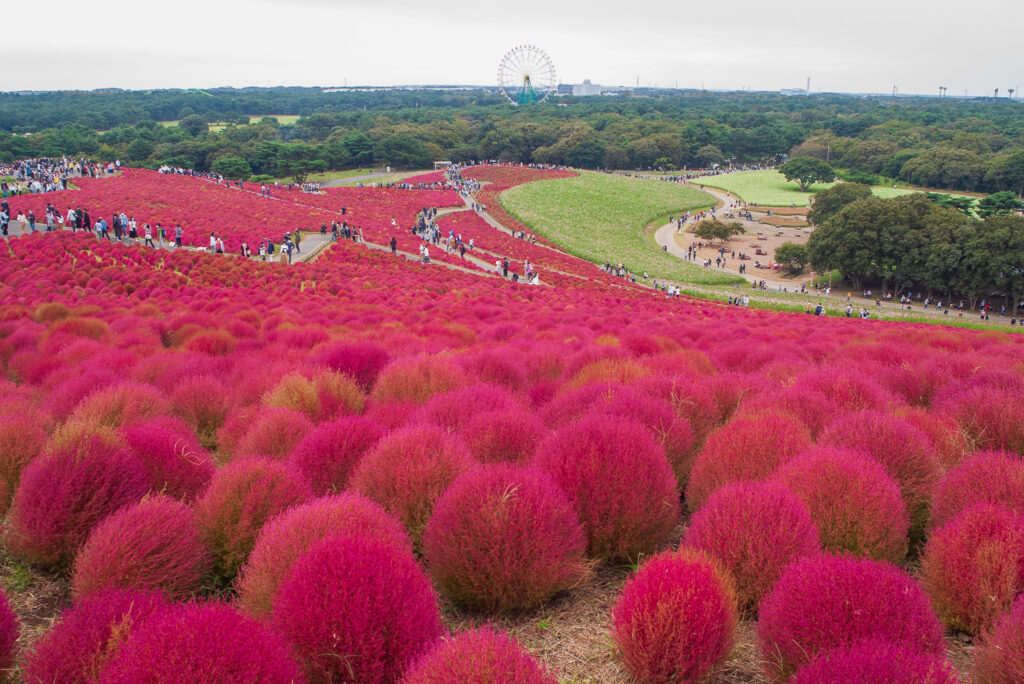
[194,125]
[139,150]
[807,171]
[403,151]
[828,202]
[708,155]
[794,256]
[965,205]
[712,230]
[998,204]
[234,168]
[589,154]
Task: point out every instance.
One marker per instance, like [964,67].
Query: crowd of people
[48,174]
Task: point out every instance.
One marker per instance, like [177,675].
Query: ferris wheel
[526,75]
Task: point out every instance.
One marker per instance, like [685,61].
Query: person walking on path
[394,245]
[177,235]
[148,232]
[22,222]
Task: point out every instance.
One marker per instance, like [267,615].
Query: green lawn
[770,188]
[385,178]
[605,218]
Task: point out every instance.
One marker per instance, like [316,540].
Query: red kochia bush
[479,655]
[988,476]
[504,538]
[754,530]
[989,415]
[177,464]
[118,405]
[876,662]
[362,360]
[416,379]
[999,658]
[904,451]
[510,436]
[973,566]
[154,544]
[9,630]
[65,492]
[453,410]
[408,470]
[242,496]
[853,501]
[749,447]
[203,402]
[618,480]
[273,433]
[675,619]
[202,642]
[292,533]
[357,609]
[87,636]
[329,453]
[824,602]
[21,440]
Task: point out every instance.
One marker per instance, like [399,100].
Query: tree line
[913,244]
[949,143]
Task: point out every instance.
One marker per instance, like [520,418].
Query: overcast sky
[861,46]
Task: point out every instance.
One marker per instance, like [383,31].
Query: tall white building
[586,89]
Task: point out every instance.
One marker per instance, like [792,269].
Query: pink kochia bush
[21,440]
[273,433]
[329,453]
[749,447]
[66,491]
[408,470]
[479,655]
[973,566]
[357,609]
[504,538]
[902,449]
[88,635]
[201,642]
[289,535]
[754,530]
[154,544]
[675,619]
[876,662]
[509,436]
[618,480]
[855,504]
[177,464]
[987,476]
[825,602]
[243,496]
[999,659]
[417,378]
[9,630]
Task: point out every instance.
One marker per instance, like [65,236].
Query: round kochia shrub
[65,492]
[904,451]
[987,476]
[201,642]
[362,360]
[973,566]
[453,410]
[417,378]
[176,462]
[509,436]
[357,609]
[618,480]
[9,630]
[273,433]
[825,602]
[21,440]
[999,659]
[876,662]
[504,538]
[242,496]
[295,531]
[989,415]
[88,635]
[408,470]
[154,544]
[478,655]
[675,619]
[749,447]
[855,504]
[754,530]
[121,404]
[329,453]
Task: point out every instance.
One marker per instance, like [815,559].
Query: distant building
[586,89]
[565,88]
[793,91]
